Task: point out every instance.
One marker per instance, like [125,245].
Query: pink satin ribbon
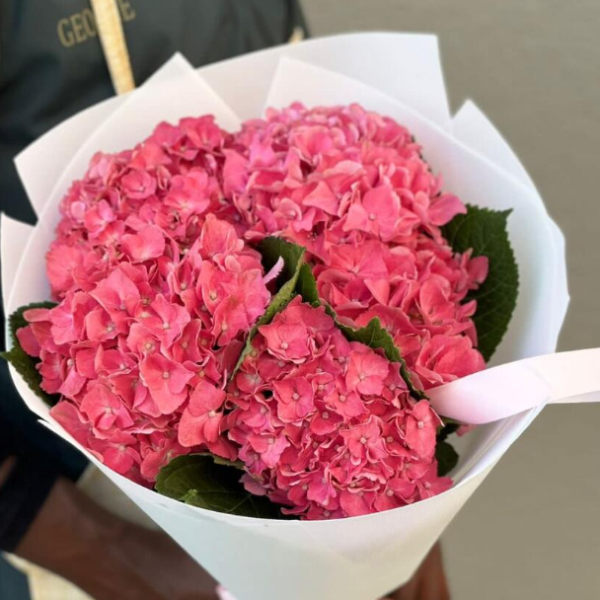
[512,388]
[224,594]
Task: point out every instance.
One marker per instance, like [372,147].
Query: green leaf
[450,426]
[446,456]
[219,460]
[307,286]
[375,336]
[485,231]
[20,360]
[207,482]
[272,249]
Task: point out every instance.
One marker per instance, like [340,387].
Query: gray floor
[533,530]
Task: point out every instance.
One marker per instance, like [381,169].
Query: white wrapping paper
[360,558]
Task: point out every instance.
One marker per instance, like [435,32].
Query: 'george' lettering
[81,26]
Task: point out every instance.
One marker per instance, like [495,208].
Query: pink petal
[445,208]
[147,244]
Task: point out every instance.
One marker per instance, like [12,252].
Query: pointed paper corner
[475,129]
[14,236]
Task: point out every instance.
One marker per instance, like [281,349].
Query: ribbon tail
[506,390]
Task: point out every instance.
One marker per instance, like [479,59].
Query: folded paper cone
[359,558]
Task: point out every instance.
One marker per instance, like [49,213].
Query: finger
[433,584]
[409,591]
[428,583]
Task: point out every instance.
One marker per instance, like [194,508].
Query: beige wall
[533,530]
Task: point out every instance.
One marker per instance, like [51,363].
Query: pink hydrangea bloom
[156,292]
[333,432]
[158,285]
[353,188]
[136,355]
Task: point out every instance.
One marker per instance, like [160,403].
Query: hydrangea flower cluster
[138,205]
[157,294]
[158,287]
[352,187]
[326,426]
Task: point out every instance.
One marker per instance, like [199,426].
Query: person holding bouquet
[53,65]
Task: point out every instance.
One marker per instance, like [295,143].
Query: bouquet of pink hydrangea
[215,298]
[246,323]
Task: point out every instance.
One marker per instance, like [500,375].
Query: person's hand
[107,557]
[429,582]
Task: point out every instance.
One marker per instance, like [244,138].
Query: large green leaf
[272,249]
[208,482]
[485,231]
[20,360]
